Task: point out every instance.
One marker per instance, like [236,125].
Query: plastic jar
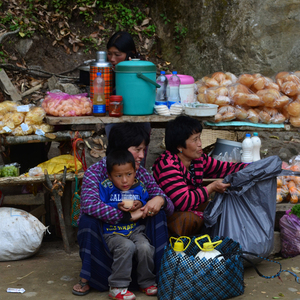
[186,89]
[115,106]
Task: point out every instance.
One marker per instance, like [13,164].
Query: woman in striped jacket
[180,170]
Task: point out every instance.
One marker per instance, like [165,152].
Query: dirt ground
[51,274]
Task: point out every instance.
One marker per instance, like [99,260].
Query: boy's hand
[136,205]
[121,207]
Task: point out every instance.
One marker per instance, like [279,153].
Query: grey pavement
[51,274]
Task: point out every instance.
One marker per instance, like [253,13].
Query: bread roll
[218,76]
[229,116]
[294,109]
[295,121]
[246,79]
[252,116]
[252,100]
[281,101]
[201,98]
[289,88]
[211,82]
[218,118]
[278,119]
[259,83]
[280,75]
[222,100]
[239,99]
[241,113]
[292,78]
[264,117]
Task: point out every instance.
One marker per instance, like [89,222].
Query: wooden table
[156,121]
[65,200]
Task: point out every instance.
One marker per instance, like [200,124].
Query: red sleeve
[185,197]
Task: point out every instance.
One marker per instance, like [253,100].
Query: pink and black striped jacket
[175,180]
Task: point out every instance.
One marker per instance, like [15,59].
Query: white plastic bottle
[256,146]
[173,89]
[161,93]
[99,103]
[208,250]
[247,148]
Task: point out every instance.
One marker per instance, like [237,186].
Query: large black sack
[246,211]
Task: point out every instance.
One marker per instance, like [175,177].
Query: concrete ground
[51,274]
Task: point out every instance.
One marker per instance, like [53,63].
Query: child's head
[120,166]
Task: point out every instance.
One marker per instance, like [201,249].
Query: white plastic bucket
[187,89]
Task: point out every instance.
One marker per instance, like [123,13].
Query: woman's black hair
[124,42]
[179,130]
[125,135]
[119,157]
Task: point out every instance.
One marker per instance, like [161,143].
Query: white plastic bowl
[201,110]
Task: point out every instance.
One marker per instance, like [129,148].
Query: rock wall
[239,36]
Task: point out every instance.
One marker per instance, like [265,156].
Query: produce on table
[65,105]
[288,187]
[254,97]
[11,170]
[20,120]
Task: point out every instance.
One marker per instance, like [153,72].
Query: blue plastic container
[136,83]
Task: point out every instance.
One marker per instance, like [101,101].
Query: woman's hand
[217,186]
[136,215]
[153,206]
[136,205]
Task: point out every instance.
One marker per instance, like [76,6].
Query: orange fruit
[294,199]
[279,182]
[279,198]
[291,184]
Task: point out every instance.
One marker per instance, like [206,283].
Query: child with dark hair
[126,240]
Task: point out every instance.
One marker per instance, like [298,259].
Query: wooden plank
[284,206]
[39,211]
[20,180]
[156,121]
[24,199]
[55,136]
[7,86]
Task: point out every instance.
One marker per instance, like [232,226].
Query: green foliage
[180,33]
[165,19]
[296,210]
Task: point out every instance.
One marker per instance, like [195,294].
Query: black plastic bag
[246,212]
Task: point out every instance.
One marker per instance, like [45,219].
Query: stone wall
[239,36]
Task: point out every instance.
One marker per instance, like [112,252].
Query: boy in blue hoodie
[126,241]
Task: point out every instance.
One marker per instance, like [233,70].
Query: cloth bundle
[186,277]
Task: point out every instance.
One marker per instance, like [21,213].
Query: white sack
[21,234]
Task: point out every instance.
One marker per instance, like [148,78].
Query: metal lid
[101,60]
[84,68]
[135,65]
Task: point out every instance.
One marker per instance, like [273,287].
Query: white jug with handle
[208,249]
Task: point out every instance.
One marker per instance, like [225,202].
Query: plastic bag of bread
[23,129]
[65,105]
[7,106]
[35,116]
[217,95]
[288,82]
[225,114]
[44,127]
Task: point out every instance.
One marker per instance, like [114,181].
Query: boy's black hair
[179,130]
[119,157]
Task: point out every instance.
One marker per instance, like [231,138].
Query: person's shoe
[84,286]
[150,291]
[121,293]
